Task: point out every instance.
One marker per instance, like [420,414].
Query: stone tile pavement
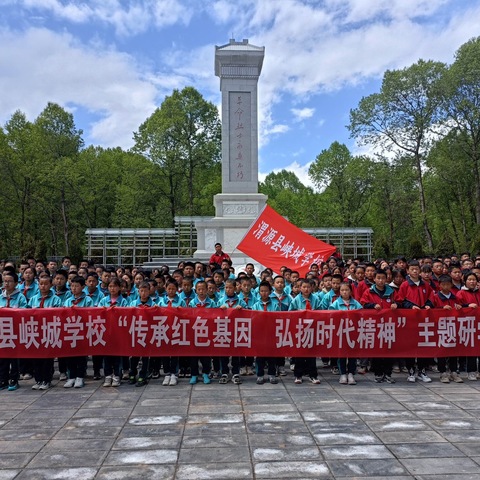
[285,431]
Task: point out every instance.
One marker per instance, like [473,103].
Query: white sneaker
[422,375]
[69,383]
[173,380]
[411,376]
[108,381]
[472,376]
[36,386]
[62,377]
[44,386]
[351,379]
[166,381]
[343,380]
[445,377]
[243,371]
[115,381]
[456,377]
[79,383]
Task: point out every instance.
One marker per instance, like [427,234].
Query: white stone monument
[238,64]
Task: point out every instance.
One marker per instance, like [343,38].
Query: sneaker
[243,371]
[445,377]
[193,380]
[335,371]
[236,380]
[141,382]
[26,376]
[44,386]
[69,383]
[362,370]
[343,380]
[108,381]
[132,380]
[12,385]
[260,380]
[166,381]
[351,379]
[433,368]
[378,378]
[388,379]
[411,377]
[206,379]
[36,386]
[97,376]
[292,367]
[173,380]
[155,374]
[314,380]
[62,377]
[126,376]
[116,381]
[79,383]
[282,372]
[298,380]
[454,376]
[273,379]
[422,375]
[396,368]
[250,371]
[472,376]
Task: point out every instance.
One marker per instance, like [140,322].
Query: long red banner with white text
[63,332]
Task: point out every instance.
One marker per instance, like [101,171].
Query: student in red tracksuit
[380,296]
[414,293]
[445,299]
[469,296]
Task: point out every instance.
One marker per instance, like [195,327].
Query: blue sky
[112,62]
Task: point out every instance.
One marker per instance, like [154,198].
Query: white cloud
[41,66]
[302,113]
[301,171]
[127,18]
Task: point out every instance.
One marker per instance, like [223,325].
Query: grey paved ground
[401,431]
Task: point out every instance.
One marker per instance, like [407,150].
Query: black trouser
[471,364]
[305,366]
[170,365]
[9,370]
[206,365]
[43,369]
[26,365]
[112,365]
[382,366]
[260,364]
[422,363]
[97,361]
[134,366]
[77,367]
[246,361]
[235,365]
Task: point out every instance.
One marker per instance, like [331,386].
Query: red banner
[274,241]
[63,332]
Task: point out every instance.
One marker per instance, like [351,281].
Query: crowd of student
[448,283]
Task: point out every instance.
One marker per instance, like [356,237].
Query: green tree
[402,118]
[347,183]
[461,101]
[183,137]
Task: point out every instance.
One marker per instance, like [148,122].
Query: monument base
[234,214]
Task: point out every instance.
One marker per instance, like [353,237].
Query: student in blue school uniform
[170,364]
[305,366]
[144,301]
[346,301]
[11,297]
[113,363]
[230,300]
[60,286]
[248,298]
[77,366]
[266,304]
[45,298]
[201,300]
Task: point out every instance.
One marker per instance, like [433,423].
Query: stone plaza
[285,431]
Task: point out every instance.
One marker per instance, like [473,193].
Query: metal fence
[128,246]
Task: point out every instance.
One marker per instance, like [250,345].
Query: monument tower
[238,64]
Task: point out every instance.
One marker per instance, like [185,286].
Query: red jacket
[465,297]
[372,297]
[440,300]
[410,295]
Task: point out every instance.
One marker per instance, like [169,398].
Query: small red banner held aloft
[274,242]
[63,332]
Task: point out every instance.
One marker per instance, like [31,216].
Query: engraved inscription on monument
[240,136]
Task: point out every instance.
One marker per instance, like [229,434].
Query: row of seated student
[448,283]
